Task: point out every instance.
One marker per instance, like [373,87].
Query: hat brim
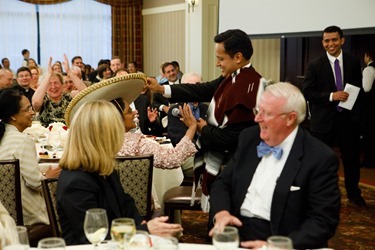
[128,87]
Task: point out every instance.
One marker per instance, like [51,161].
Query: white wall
[257,17]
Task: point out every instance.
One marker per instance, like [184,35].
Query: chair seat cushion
[181,195]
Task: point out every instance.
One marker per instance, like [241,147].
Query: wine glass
[226,239]
[279,243]
[122,230]
[54,140]
[52,242]
[96,225]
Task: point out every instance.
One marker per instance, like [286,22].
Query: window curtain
[16,33]
[126,27]
[77,28]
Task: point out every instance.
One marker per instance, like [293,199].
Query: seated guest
[148,119]
[281,180]
[164,157]
[50,100]
[34,77]
[122,90]
[24,82]
[176,128]
[6,79]
[16,114]
[88,179]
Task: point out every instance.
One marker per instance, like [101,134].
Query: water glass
[122,230]
[95,225]
[279,243]
[165,243]
[140,241]
[23,238]
[226,239]
[52,242]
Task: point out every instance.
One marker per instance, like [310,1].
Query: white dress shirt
[258,200]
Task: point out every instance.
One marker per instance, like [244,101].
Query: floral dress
[52,111]
[164,157]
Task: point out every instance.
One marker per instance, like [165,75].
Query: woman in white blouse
[16,114]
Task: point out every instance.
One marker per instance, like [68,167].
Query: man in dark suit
[323,87]
[281,180]
[160,102]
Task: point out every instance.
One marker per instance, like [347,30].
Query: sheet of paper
[353,94]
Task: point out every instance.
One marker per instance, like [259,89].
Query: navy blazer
[78,191]
[319,83]
[310,215]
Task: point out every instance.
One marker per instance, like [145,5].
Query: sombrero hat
[127,87]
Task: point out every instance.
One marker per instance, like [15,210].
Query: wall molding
[164,9]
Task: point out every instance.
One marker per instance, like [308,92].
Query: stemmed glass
[166,243]
[122,230]
[96,225]
[54,139]
[227,239]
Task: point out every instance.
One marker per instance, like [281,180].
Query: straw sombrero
[127,87]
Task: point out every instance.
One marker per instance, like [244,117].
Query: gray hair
[295,101]
[191,77]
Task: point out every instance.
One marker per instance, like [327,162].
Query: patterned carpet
[356,230]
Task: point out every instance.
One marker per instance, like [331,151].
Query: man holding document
[332,86]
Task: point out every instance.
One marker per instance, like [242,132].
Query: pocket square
[294,188]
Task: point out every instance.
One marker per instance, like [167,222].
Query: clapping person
[50,100]
[89,180]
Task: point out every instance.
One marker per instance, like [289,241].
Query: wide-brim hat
[128,87]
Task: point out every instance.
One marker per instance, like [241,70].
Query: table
[182,246]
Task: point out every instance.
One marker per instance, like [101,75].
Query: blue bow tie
[264,149]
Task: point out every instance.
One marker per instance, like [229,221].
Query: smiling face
[24,117]
[275,124]
[227,64]
[129,116]
[332,43]
[24,78]
[170,73]
[55,88]
[116,64]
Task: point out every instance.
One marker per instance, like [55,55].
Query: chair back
[136,178]
[49,192]
[10,191]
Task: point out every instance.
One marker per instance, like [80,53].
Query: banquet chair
[10,196]
[10,192]
[49,192]
[135,174]
[179,198]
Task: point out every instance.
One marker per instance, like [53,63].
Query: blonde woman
[88,179]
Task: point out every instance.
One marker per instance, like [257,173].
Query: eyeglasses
[258,111]
[28,109]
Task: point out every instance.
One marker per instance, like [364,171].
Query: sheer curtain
[78,27]
[17,31]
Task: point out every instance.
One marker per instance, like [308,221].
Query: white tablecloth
[182,246]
